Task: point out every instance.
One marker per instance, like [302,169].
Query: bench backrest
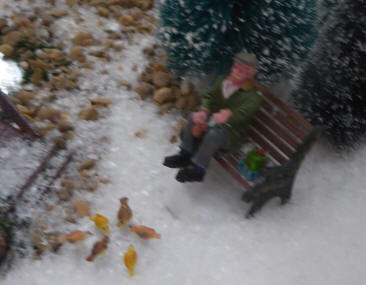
[276,128]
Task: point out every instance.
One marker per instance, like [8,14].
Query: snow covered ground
[318,238]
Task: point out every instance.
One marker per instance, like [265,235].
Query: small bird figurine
[130,260]
[98,248]
[144,232]
[125,213]
[75,236]
[101,223]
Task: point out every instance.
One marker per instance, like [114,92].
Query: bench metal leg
[261,193]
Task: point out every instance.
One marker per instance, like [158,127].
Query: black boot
[191,173]
[179,160]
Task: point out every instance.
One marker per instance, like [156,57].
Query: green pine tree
[331,89]
[202,36]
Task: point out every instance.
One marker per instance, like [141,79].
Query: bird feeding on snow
[75,236]
[125,213]
[98,248]
[101,223]
[144,232]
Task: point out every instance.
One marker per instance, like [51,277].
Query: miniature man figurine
[222,122]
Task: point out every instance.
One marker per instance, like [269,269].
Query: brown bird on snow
[75,236]
[125,213]
[144,232]
[98,248]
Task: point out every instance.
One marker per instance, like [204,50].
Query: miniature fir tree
[325,9]
[202,36]
[331,89]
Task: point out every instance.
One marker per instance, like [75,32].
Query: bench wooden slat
[233,171]
[284,121]
[278,102]
[277,128]
[268,147]
[234,159]
[274,138]
[277,113]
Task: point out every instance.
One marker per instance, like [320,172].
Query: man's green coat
[242,103]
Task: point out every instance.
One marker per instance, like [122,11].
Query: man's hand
[198,129]
[222,117]
[200,117]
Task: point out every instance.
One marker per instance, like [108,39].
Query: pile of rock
[133,17]
[51,69]
[27,42]
[166,91]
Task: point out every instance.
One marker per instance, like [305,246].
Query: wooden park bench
[286,137]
